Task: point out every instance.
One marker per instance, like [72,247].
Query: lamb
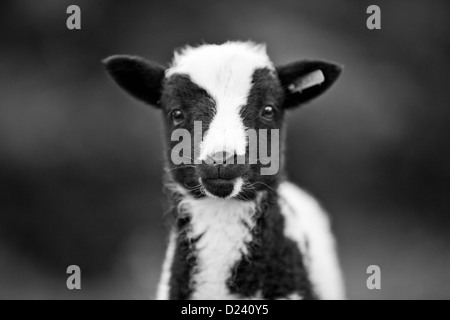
[236,233]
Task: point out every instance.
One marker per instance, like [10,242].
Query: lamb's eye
[177,116]
[268,112]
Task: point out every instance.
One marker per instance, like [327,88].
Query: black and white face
[235,98]
[224,128]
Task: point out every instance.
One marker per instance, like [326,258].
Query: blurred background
[81,163]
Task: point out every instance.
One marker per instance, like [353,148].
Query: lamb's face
[231,94]
[224,105]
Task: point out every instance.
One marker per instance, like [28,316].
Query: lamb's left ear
[305,80]
[140,78]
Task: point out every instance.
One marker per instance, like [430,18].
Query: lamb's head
[224,107]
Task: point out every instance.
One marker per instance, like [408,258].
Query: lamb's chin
[222,188]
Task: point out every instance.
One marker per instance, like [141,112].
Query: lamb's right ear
[137,76]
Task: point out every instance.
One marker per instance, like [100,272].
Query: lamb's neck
[220,232]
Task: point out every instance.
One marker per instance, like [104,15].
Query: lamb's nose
[222,157]
[222,165]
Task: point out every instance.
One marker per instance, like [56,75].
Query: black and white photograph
[233,150]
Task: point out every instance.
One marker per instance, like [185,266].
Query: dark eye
[177,116]
[268,112]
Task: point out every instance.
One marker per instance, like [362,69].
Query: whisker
[194,187]
[263,185]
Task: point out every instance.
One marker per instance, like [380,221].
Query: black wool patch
[197,105]
[183,264]
[266,90]
[274,266]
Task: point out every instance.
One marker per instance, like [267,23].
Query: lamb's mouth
[222,188]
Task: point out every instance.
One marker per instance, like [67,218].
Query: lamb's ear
[306,80]
[137,76]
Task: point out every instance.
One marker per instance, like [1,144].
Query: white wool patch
[236,188]
[292,296]
[225,72]
[164,287]
[223,227]
[305,221]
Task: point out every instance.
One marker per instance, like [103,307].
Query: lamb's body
[229,249]
[241,231]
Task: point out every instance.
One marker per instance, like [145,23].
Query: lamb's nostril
[223,157]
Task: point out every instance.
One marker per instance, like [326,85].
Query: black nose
[222,165]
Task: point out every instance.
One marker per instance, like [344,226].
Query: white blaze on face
[225,72]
